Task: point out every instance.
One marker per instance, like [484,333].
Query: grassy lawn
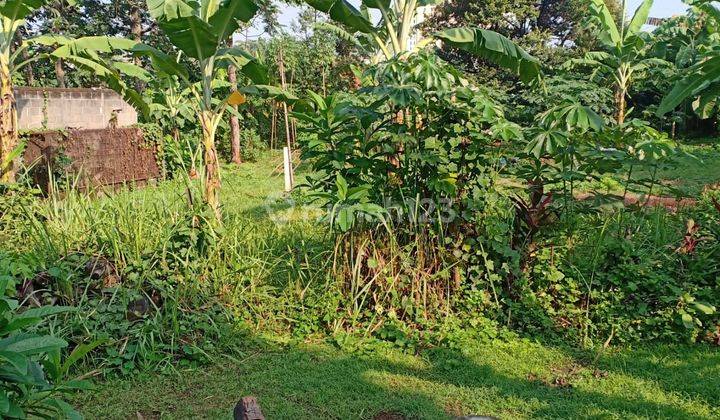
[516,379]
[695,172]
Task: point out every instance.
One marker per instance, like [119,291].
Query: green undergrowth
[184,289]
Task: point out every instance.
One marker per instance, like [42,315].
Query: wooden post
[283,82]
[287,165]
[273,125]
[289,177]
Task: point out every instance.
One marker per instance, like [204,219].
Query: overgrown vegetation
[449,196]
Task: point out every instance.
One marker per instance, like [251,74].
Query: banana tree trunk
[621,106]
[622,85]
[8,121]
[60,73]
[212,164]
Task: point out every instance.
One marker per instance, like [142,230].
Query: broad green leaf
[609,33]
[45,311]
[34,345]
[15,412]
[49,40]
[346,218]
[342,11]
[192,35]
[640,18]
[706,105]
[79,352]
[92,44]
[339,32]
[4,402]
[272,92]
[342,187]
[700,77]
[704,308]
[377,4]
[170,9]
[687,321]
[66,409]
[495,48]
[161,61]
[19,324]
[99,68]
[132,70]
[224,21]
[80,385]
[17,360]
[321,5]
[7,161]
[19,9]
[245,63]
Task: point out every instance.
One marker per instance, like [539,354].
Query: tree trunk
[234,122]
[212,164]
[8,122]
[60,73]
[621,105]
[29,72]
[137,32]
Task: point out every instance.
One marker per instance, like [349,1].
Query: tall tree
[543,27]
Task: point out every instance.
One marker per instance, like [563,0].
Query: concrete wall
[59,109]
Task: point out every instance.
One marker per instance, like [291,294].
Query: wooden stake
[287,164]
[288,134]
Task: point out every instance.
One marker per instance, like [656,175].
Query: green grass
[693,173]
[516,379]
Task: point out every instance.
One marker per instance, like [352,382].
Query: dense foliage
[506,179]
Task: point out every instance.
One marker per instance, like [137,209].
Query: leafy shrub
[251,145]
[18,206]
[32,373]
[628,276]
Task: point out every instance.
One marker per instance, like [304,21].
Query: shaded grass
[689,175]
[517,379]
[693,173]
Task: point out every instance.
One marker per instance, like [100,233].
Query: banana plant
[391,36]
[624,54]
[395,33]
[12,17]
[199,30]
[702,81]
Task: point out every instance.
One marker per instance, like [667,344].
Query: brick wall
[59,109]
[93,158]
